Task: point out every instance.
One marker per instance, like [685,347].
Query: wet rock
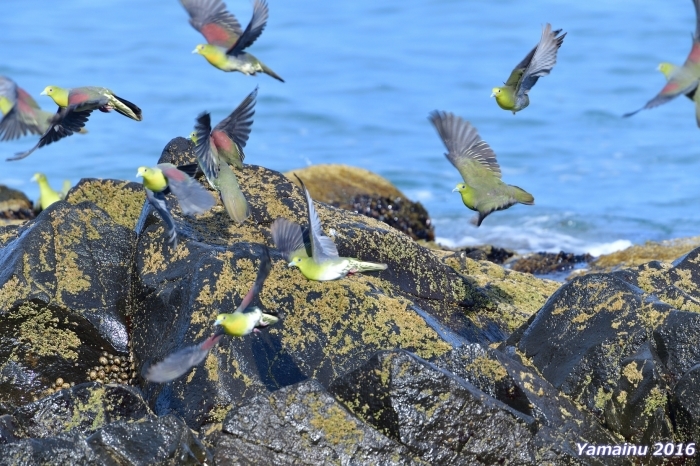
[121,200]
[361,191]
[592,341]
[302,424]
[488,253]
[638,254]
[504,377]
[162,440]
[515,296]
[442,418]
[8,429]
[64,285]
[327,328]
[685,405]
[83,408]
[15,207]
[545,263]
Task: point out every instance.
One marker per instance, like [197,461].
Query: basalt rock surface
[440,359]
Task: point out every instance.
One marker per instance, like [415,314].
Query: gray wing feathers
[254,28]
[191,195]
[543,60]
[202,149]
[238,124]
[463,142]
[287,236]
[322,247]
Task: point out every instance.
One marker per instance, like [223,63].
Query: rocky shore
[444,358]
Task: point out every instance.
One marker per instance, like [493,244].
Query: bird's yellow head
[202,49]
[496,92]
[667,69]
[145,172]
[39,177]
[59,95]
[295,261]
[193,136]
[220,319]
[461,187]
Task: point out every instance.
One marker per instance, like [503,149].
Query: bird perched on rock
[513,95]
[482,190]
[319,259]
[217,148]
[681,79]
[226,40]
[241,322]
[21,114]
[74,108]
[47,195]
[191,196]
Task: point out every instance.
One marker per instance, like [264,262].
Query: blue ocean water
[361,80]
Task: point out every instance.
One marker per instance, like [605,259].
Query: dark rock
[149,441]
[685,405]
[64,449]
[677,340]
[588,337]
[439,417]
[64,285]
[544,263]
[121,200]
[302,424]
[488,253]
[83,409]
[8,429]
[162,440]
[15,206]
[506,379]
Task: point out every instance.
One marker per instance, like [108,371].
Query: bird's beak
[291,264]
[43,92]
[35,177]
[456,189]
[218,321]
[138,174]
[493,94]
[195,50]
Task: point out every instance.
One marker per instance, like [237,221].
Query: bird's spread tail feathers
[522,196]
[134,113]
[269,72]
[360,266]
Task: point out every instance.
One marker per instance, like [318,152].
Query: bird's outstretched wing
[192,196]
[253,30]
[181,361]
[202,149]
[322,247]
[157,200]
[463,143]
[217,25]
[541,61]
[238,124]
[289,238]
[64,123]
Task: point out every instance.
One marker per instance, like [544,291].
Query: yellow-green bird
[244,320]
[513,95]
[192,197]
[226,40]
[318,259]
[47,195]
[217,148]
[21,114]
[482,190]
[74,108]
[681,79]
